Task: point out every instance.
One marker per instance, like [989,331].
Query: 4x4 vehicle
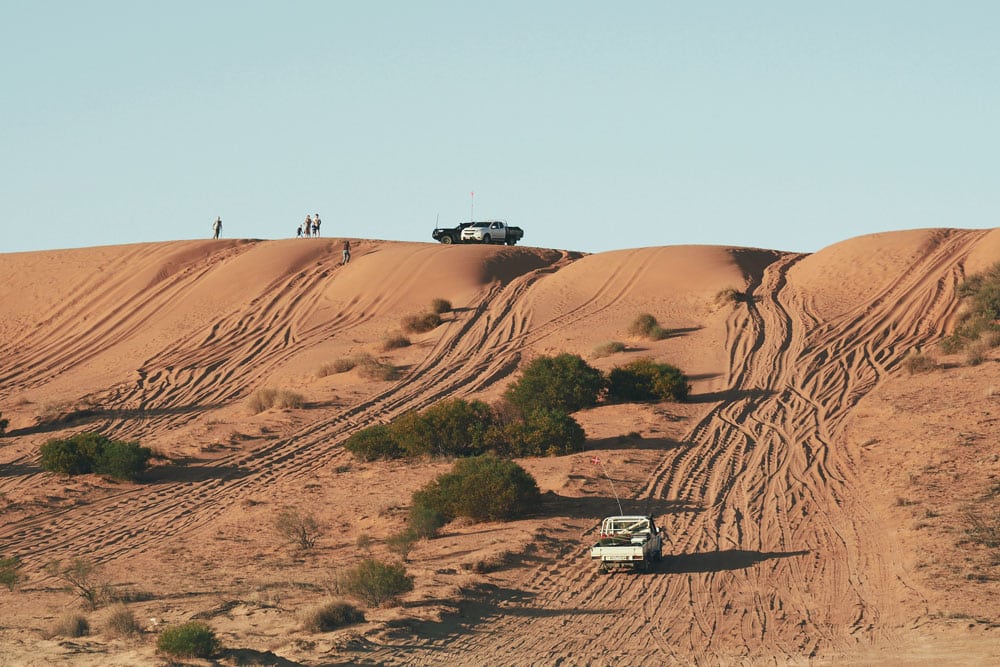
[449,234]
[493,231]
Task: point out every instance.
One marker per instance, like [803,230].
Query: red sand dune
[801,486]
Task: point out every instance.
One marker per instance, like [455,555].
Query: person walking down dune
[307,226]
[347,252]
[316,224]
[217,227]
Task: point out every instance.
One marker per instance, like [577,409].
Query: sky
[789,125]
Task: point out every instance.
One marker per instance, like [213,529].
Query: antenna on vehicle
[472,206]
[596,460]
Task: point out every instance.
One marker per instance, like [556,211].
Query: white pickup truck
[633,542]
[495,231]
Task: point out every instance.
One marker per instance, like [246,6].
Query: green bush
[981,292]
[425,522]
[331,616]
[646,380]
[375,442]
[376,583]
[93,452]
[543,432]
[190,640]
[482,488]
[449,428]
[10,572]
[421,323]
[565,382]
[646,326]
[440,306]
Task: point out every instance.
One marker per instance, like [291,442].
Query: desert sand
[815,494]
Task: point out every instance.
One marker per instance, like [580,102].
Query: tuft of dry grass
[337,366]
[371,368]
[394,342]
[607,349]
[421,323]
[331,616]
[265,399]
[71,625]
[440,306]
[121,622]
[919,363]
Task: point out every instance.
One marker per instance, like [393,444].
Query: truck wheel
[487,239]
[511,242]
[447,239]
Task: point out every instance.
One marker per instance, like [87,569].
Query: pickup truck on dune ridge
[493,231]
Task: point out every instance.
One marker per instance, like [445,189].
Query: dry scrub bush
[71,625]
[440,306]
[121,622]
[394,342]
[83,577]
[336,366]
[265,399]
[421,323]
[975,353]
[728,295]
[298,530]
[331,616]
[607,349]
[919,363]
[646,326]
[10,572]
[371,368]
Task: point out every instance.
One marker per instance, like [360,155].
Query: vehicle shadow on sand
[719,561]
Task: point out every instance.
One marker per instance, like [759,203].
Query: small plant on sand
[440,306]
[299,530]
[919,363]
[337,366]
[3,424]
[975,353]
[83,577]
[607,349]
[646,326]
[375,583]
[71,625]
[265,399]
[10,572]
[121,622]
[190,640]
[394,342]
[371,368]
[728,295]
[331,616]
[421,323]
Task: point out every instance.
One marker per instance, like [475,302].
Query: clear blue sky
[593,125]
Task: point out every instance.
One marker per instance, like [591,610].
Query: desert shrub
[375,442]
[565,382]
[607,349]
[975,353]
[193,639]
[449,428]
[371,368]
[981,293]
[374,582]
[647,380]
[93,452]
[401,543]
[265,399]
[10,572]
[72,625]
[425,522]
[646,326]
[331,616]
[301,531]
[336,366]
[290,399]
[421,323]
[394,342]
[121,622]
[983,529]
[728,295]
[83,577]
[543,432]
[3,424]
[482,488]
[440,306]
[919,363]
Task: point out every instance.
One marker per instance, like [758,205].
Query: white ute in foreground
[633,542]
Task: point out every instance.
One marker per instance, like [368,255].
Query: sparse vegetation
[544,432]
[394,342]
[373,443]
[983,528]
[646,326]
[92,452]
[565,382]
[647,380]
[981,293]
[72,626]
[337,366]
[121,622]
[371,368]
[10,572]
[482,488]
[265,399]
[301,531]
[83,577]
[440,306]
[189,640]
[421,323]
[607,349]
[729,295]
[3,425]
[975,353]
[375,583]
[919,363]
[331,616]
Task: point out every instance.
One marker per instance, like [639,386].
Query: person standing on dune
[316,224]
[307,226]
[347,252]
[217,227]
